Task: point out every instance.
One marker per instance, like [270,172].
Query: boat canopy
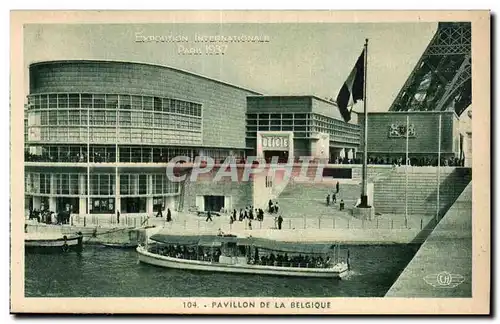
[292,247]
[262,243]
[180,239]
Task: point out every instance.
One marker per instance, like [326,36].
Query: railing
[193,223]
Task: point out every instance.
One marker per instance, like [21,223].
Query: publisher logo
[444,279]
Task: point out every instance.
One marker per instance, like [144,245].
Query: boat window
[229,249]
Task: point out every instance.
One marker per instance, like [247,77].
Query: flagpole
[364,195]
[438,169]
[88,156]
[117,159]
[406,186]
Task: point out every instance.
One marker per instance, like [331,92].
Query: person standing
[118,216]
[276,207]
[209,217]
[169,215]
[270,204]
[328,199]
[337,186]
[342,204]
[234,215]
[334,198]
[280,221]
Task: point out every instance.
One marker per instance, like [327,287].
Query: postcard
[250,162]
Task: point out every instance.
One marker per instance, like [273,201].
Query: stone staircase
[389,193]
[309,199]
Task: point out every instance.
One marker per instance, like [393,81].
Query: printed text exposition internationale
[197,38]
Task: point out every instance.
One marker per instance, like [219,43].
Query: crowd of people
[249,212]
[46,216]
[213,254]
[331,198]
[284,260]
[96,157]
[413,161]
[188,252]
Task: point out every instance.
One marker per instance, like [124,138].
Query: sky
[299,59]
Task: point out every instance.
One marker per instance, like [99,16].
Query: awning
[262,243]
[201,240]
[179,239]
[292,247]
[209,242]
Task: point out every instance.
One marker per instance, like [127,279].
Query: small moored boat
[244,255]
[53,242]
[129,245]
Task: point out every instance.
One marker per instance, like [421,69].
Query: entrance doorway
[213,203]
[282,156]
[133,205]
[68,203]
[158,204]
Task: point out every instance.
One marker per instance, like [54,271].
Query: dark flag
[353,88]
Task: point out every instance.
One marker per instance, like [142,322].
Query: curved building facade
[99,131]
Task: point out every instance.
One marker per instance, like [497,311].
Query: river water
[107,272]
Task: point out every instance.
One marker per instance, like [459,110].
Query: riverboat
[228,253]
[53,242]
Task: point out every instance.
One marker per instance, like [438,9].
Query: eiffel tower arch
[441,80]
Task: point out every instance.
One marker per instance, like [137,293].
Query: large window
[44,183]
[102,184]
[141,119]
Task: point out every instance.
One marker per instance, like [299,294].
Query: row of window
[112,101]
[265,116]
[104,205]
[109,117]
[298,119]
[279,122]
[338,136]
[100,184]
[296,134]
[108,135]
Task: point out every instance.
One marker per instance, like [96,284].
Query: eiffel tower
[441,80]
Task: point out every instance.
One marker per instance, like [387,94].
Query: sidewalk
[385,229]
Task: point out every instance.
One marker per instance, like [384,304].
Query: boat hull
[59,245]
[168,262]
[120,245]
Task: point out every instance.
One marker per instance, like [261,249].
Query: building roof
[147,64]
[405,112]
[295,96]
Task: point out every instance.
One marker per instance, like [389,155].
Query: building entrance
[68,203]
[133,205]
[213,203]
[282,156]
